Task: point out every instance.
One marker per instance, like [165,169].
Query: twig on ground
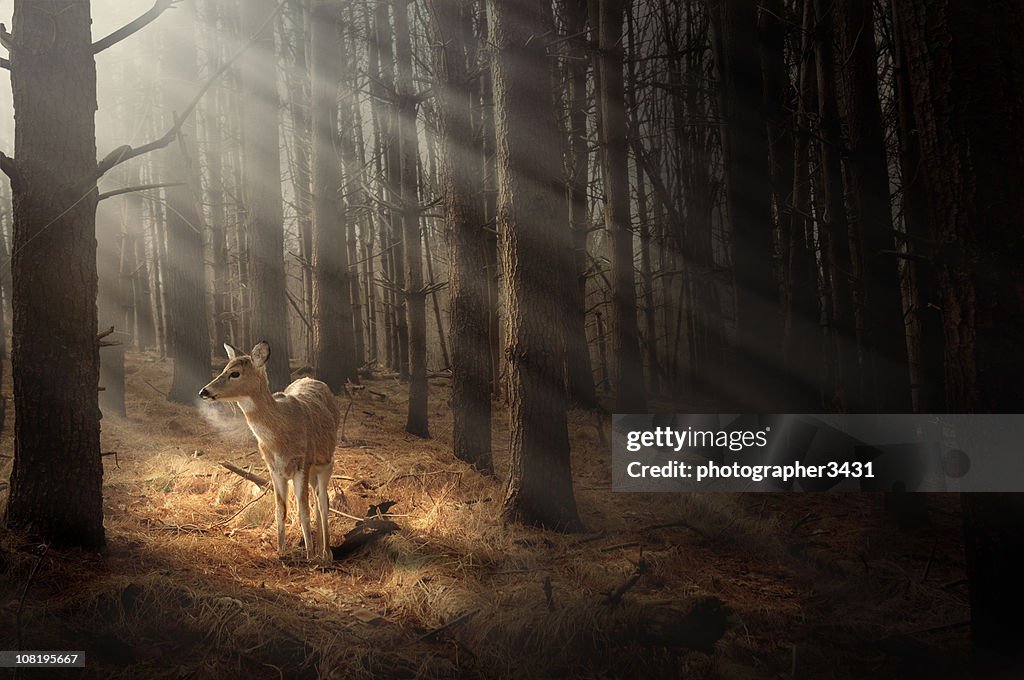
[158,390]
[222,522]
[440,629]
[613,597]
[678,523]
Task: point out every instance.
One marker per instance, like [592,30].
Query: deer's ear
[233,352]
[260,354]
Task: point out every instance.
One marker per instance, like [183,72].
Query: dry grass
[191,585]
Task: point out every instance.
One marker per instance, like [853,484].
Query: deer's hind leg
[321,476]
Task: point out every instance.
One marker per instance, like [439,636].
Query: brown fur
[296,430]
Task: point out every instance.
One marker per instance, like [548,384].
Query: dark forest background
[598,205]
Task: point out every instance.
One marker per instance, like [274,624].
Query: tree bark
[966,73]
[56,481]
[833,222]
[530,198]
[461,169]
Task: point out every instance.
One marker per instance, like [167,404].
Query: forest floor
[191,586]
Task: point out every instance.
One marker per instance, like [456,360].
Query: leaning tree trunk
[539,487]
[415,295]
[630,387]
[461,172]
[263,189]
[188,328]
[966,73]
[332,307]
[56,481]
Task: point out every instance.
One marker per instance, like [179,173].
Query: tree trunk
[56,481]
[926,360]
[966,74]
[630,388]
[187,317]
[883,334]
[748,195]
[332,307]
[847,395]
[461,169]
[415,297]
[110,307]
[265,220]
[577,350]
[539,489]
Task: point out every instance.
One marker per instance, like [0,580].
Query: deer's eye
[235,374]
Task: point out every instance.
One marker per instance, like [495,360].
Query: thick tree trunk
[187,316]
[882,332]
[332,307]
[530,199]
[56,481]
[461,169]
[265,218]
[966,73]
[415,296]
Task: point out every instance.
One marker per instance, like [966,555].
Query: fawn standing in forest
[296,431]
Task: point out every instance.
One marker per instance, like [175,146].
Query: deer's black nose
[205,394]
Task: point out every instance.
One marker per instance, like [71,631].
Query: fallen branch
[440,629]
[613,597]
[255,479]
[589,539]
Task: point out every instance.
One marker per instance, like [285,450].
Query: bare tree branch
[140,187]
[5,63]
[120,34]
[126,153]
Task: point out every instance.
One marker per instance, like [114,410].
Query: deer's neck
[260,409]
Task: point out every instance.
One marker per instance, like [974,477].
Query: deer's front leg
[281,507]
[301,483]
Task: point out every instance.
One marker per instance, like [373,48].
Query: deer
[296,430]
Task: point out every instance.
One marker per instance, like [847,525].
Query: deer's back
[311,417]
